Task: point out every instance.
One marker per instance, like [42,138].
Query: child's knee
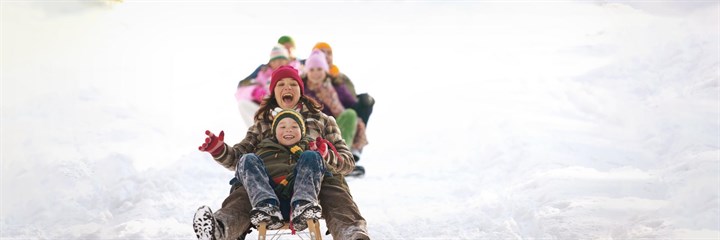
[310,158]
[248,160]
[348,113]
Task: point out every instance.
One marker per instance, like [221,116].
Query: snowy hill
[555,120]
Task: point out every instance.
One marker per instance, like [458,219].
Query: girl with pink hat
[338,102]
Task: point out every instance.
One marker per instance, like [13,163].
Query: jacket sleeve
[231,155]
[248,80]
[343,163]
[329,97]
[346,98]
[344,80]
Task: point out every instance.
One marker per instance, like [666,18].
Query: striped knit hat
[289,114]
[279,51]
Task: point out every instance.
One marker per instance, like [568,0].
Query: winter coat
[278,159]
[317,124]
[247,80]
[254,89]
[343,80]
[325,94]
[346,97]
[329,96]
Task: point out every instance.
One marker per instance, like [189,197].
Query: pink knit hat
[315,60]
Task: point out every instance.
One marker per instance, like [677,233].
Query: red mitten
[327,143]
[322,147]
[213,144]
[312,146]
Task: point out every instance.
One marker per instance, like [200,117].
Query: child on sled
[282,178]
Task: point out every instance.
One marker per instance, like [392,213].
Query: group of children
[325,83]
[282,173]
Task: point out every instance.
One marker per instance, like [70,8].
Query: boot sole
[273,223]
[204,224]
[300,221]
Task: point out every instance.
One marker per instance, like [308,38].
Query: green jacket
[278,159]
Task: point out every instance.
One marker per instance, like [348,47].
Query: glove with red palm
[319,145]
[213,144]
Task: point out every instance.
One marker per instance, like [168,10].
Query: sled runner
[313,231]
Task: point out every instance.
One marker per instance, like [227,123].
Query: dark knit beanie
[289,114]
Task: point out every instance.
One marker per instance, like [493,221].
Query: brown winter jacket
[318,125]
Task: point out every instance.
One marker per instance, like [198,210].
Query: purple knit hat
[315,60]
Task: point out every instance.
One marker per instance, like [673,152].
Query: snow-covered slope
[493,120]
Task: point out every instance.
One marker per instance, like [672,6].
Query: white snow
[518,120]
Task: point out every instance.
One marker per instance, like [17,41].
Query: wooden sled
[313,231]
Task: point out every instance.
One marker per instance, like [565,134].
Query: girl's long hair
[269,103]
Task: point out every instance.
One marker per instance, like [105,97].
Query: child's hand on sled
[213,144]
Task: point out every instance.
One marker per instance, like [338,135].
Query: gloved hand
[259,93]
[213,144]
[319,145]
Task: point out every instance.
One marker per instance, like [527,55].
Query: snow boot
[356,154]
[206,226]
[302,211]
[266,212]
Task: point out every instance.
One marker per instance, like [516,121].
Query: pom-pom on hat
[286,72]
[289,114]
[315,60]
[279,51]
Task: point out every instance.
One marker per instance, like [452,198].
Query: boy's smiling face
[288,132]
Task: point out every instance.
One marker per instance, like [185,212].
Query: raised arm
[229,157]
